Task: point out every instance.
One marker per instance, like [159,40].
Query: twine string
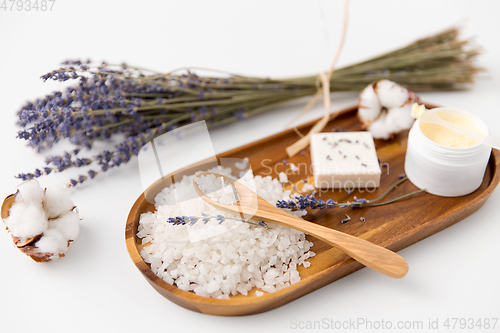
[324,78]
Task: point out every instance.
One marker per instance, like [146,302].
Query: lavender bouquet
[107,100]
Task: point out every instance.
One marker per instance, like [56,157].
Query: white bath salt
[259,293]
[45,219]
[283,177]
[293,167]
[308,187]
[220,258]
[243,164]
[217,188]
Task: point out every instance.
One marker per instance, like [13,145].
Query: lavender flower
[107,100]
[104,100]
[192,220]
[308,201]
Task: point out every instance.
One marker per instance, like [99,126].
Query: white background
[455,273]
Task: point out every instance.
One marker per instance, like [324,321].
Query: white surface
[97,288]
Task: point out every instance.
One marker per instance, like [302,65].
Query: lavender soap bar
[344,160]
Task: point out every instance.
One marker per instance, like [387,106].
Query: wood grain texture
[393,226]
[252,206]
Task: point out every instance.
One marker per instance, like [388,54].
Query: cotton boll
[67,225]
[52,242]
[369,105]
[394,111]
[32,223]
[30,192]
[26,221]
[378,128]
[391,94]
[399,119]
[57,201]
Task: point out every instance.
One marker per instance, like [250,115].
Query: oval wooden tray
[394,226]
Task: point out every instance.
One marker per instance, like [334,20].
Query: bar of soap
[345,160]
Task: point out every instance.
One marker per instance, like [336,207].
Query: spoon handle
[371,255]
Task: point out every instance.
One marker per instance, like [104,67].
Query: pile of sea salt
[218,259]
[43,222]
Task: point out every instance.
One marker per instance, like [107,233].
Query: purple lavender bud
[38,173]
[330,203]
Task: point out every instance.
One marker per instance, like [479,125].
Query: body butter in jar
[444,162]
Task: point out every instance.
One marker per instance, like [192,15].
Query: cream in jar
[447,137]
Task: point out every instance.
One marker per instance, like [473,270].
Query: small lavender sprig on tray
[310,201]
[109,100]
[205,218]
[299,203]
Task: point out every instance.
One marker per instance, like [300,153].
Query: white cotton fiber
[220,259]
[369,105]
[399,119]
[52,242]
[67,225]
[57,201]
[27,218]
[26,221]
[378,128]
[391,94]
[30,193]
[48,213]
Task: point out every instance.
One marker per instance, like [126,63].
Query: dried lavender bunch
[108,100]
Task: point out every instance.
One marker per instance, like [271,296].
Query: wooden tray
[394,226]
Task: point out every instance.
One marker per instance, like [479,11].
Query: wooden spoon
[254,207]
